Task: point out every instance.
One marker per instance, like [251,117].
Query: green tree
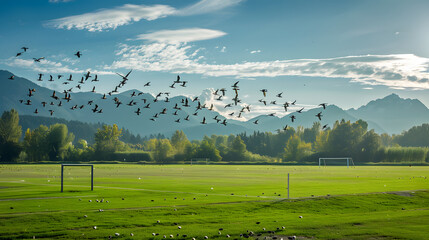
[368,147]
[107,139]
[10,132]
[296,149]
[208,150]
[58,141]
[35,144]
[179,141]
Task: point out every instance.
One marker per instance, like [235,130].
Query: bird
[204,121]
[95,79]
[24,48]
[78,54]
[293,118]
[187,118]
[38,59]
[235,84]
[325,126]
[125,78]
[319,115]
[18,54]
[293,103]
[87,75]
[256,121]
[12,77]
[40,77]
[177,120]
[279,95]
[147,84]
[36,111]
[323,105]
[52,112]
[138,111]
[300,110]
[264,91]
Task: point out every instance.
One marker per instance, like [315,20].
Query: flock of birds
[185,102]
[262,232]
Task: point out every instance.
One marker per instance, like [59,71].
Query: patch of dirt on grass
[403,193]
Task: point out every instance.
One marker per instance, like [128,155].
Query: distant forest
[38,139]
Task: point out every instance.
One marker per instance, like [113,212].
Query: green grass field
[368,202]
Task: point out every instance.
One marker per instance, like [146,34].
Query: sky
[338,52]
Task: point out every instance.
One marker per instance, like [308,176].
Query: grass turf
[202,199]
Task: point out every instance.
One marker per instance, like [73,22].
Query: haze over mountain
[391,114]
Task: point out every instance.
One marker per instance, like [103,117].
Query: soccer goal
[77,165]
[200,161]
[336,161]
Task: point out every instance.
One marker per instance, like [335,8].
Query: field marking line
[41,198]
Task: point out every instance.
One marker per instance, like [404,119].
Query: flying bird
[24,48]
[264,91]
[323,105]
[38,59]
[319,115]
[78,54]
[125,78]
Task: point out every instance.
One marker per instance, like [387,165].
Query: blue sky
[340,52]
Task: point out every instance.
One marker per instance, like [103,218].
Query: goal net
[200,161]
[340,161]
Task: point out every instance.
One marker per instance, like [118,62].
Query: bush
[403,155]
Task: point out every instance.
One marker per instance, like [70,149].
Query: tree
[107,139]
[310,134]
[369,146]
[345,136]
[10,132]
[179,141]
[35,144]
[58,141]
[208,150]
[296,149]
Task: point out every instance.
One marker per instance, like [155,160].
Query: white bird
[95,227]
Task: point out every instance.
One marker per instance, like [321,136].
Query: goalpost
[200,161]
[348,160]
[77,165]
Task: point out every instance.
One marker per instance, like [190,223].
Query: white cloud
[48,66]
[397,71]
[223,49]
[181,35]
[104,19]
[255,51]
[206,6]
[112,18]
[368,88]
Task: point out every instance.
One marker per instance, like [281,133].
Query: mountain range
[391,114]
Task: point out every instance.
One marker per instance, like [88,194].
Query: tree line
[56,143]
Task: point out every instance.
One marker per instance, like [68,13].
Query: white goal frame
[200,160]
[349,161]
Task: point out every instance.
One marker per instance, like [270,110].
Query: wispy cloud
[398,71]
[255,51]
[112,18]
[181,35]
[104,19]
[48,66]
[206,6]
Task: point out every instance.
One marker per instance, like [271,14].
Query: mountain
[395,114]
[391,114]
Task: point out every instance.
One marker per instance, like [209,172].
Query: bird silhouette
[300,110]
[256,121]
[78,54]
[125,78]
[38,59]
[40,77]
[12,77]
[138,111]
[323,105]
[204,121]
[319,115]
[18,54]
[264,91]
[279,95]
[292,118]
[235,85]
